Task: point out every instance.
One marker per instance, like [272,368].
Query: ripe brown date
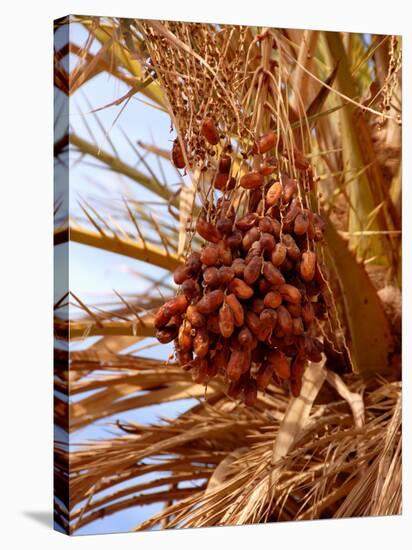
[196,319]
[210,255]
[220,181]
[226,274]
[238,267]
[237,309]
[209,131]
[267,242]
[240,289]
[225,163]
[167,334]
[276,227]
[211,276]
[175,306]
[201,342]
[301,223]
[191,288]
[265,143]
[208,231]
[234,240]
[178,158]
[221,358]
[292,212]
[210,302]
[264,375]
[273,299]
[251,180]
[290,186]
[185,338]
[225,254]
[268,317]
[253,322]
[293,251]
[199,371]
[280,364]
[162,317]
[213,324]
[255,250]
[234,368]
[252,270]
[274,193]
[250,237]
[224,226]
[279,254]
[308,266]
[285,322]
[272,274]
[290,293]
[226,321]
[181,273]
[247,221]
[245,338]
[263,285]
[265,224]
[193,263]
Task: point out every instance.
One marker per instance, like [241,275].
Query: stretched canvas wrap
[227,275]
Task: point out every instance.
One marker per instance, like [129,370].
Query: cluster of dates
[248,301]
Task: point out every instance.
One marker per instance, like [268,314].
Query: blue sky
[93,273]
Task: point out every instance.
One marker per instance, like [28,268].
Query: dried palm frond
[332,468]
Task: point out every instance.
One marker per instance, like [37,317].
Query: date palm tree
[334,451]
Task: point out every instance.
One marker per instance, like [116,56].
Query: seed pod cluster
[249,300]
